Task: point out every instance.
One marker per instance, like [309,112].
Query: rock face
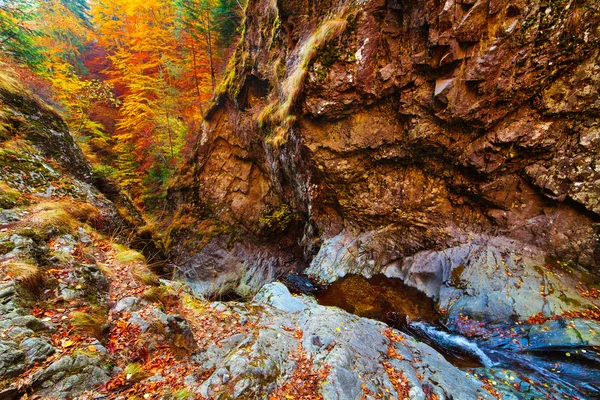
[377,136]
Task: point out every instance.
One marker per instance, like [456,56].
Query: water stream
[407,309]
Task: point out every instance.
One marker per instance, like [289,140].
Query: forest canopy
[131,78]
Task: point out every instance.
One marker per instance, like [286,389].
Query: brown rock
[419,124]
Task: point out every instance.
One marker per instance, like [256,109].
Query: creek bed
[409,310]
[398,305]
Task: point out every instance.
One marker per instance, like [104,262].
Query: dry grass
[53,219]
[9,83]
[4,124]
[160,294]
[10,197]
[135,372]
[265,115]
[128,257]
[329,30]
[106,270]
[60,216]
[144,275]
[93,323]
[8,79]
[79,210]
[279,137]
[29,276]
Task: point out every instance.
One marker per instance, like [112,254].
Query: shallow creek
[407,309]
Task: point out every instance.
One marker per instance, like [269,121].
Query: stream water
[407,309]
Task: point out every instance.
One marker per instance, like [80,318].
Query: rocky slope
[450,144]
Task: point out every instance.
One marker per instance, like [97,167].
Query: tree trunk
[196,75]
[210,53]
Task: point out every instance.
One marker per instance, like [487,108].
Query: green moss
[6,247]
[567,300]
[320,73]
[280,218]
[279,110]
[330,55]
[21,161]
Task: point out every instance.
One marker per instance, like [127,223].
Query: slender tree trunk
[210,53]
[196,75]
[170,134]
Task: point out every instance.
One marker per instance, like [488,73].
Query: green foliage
[280,218]
[78,8]
[17,38]
[228,14]
[105,172]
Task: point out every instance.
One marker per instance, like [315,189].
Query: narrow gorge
[386,199]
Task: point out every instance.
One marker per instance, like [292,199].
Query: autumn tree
[18,32]
[130,77]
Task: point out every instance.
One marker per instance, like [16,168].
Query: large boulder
[353,358]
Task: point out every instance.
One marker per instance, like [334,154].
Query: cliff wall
[377,136]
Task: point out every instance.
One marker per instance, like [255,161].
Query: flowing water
[402,307]
[407,309]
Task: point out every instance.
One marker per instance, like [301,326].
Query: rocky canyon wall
[451,144]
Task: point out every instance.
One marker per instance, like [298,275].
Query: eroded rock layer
[374,136]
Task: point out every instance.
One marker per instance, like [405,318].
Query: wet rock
[278,296]
[17,332]
[490,278]
[138,321]
[300,283]
[9,394]
[401,146]
[563,334]
[129,304]
[512,385]
[33,323]
[65,244]
[8,298]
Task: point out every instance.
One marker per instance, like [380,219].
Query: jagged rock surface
[393,129]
